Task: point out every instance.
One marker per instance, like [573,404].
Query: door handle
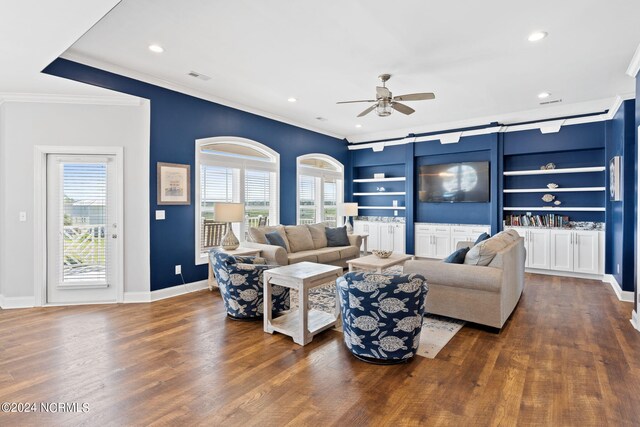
[114,236]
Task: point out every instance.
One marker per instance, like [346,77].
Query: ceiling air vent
[553,101]
[198,76]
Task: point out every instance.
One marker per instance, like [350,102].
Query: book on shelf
[542,221]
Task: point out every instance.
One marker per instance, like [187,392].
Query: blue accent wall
[177,120]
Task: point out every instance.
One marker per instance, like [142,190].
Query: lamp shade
[350,209]
[228,212]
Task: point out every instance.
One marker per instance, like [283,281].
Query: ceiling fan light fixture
[383,109]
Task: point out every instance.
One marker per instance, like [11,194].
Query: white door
[441,245]
[82,228]
[399,238]
[538,249]
[561,250]
[386,237]
[586,252]
[374,235]
[423,245]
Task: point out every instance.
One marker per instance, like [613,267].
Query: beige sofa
[481,294]
[304,243]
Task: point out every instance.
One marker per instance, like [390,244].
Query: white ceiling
[34,33]
[474,55]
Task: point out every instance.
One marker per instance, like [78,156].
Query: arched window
[320,189]
[239,170]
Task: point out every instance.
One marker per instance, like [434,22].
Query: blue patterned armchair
[240,282]
[382,315]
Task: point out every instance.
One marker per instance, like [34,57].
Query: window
[320,189]
[235,170]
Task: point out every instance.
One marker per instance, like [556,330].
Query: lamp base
[229,242]
[349,226]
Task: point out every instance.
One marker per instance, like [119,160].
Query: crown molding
[46,98]
[634,65]
[157,81]
[544,127]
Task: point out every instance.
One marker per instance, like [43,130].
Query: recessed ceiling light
[292,99]
[358,125]
[537,36]
[156,48]
[543,95]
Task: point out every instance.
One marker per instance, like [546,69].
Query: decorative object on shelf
[378,175]
[543,168]
[615,194]
[548,198]
[395,203]
[349,210]
[174,184]
[381,253]
[381,189]
[229,212]
[552,186]
[550,166]
[557,203]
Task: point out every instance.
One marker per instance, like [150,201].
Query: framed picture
[615,193]
[174,184]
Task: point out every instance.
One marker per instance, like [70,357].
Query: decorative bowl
[381,254]
[552,186]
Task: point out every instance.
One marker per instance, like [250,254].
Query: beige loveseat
[303,243]
[481,294]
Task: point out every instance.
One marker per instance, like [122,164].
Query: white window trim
[319,173]
[241,163]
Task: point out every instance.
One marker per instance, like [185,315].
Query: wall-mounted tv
[454,182]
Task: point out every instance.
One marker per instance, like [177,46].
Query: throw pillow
[457,257]
[481,238]
[337,236]
[299,238]
[318,235]
[274,238]
[484,252]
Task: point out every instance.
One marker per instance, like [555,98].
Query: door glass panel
[84,250]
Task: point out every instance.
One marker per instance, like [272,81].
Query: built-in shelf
[382,193]
[397,178]
[400,208]
[549,208]
[555,171]
[554,190]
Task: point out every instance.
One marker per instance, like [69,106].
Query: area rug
[436,332]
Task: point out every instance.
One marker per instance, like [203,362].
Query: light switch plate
[160,215]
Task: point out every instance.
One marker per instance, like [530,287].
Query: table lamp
[229,212]
[349,210]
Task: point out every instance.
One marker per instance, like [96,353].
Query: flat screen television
[454,182]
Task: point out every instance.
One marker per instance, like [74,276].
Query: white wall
[23,125]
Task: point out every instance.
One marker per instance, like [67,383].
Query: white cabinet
[586,252]
[382,235]
[440,240]
[561,250]
[537,242]
[576,251]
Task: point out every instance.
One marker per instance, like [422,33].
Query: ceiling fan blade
[382,92]
[351,102]
[404,109]
[415,97]
[368,110]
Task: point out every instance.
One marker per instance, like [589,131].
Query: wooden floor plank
[567,356]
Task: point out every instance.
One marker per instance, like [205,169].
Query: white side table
[239,252]
[301,324]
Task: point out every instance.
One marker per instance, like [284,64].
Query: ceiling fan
[385,101]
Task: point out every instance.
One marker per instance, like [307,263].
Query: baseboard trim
[635,320]
[626,296]
[17,302]
[565,274]
[160,294]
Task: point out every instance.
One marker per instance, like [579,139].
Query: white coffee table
[239,252]
[302,323]
[372,262]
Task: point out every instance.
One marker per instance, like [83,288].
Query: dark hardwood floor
[567,356]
